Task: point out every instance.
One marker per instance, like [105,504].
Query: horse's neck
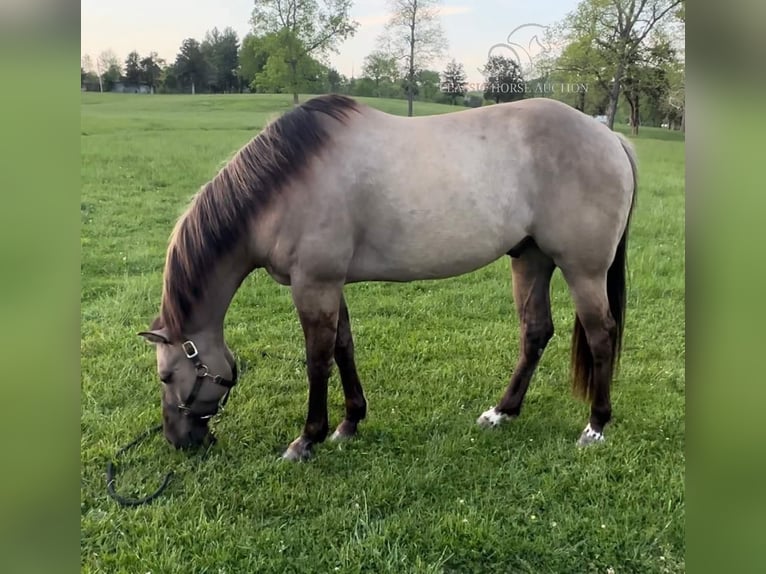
[224,280]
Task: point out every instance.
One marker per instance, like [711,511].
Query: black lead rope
[111,468]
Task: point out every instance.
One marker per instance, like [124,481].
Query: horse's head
[197,374]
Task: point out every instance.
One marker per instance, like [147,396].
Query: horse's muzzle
[190,432]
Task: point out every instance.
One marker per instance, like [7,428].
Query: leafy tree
[133,68]
[584,62]
[221,53]
[381,68]
[190,66]
[151,70]
[286,73]
[428,82]
[417,38]
[334,80]
[309,29]
[169,81]
[646,79]
[504,82]
[674,105]
[88,76]
[109,69]
[363,87]
[453,81]
[619,28]
[253,55]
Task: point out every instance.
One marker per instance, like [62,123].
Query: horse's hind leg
[594,350]
[531,273]
[356,405]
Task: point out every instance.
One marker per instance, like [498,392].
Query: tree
[417,38]
[285,72]
[151,70]
[646,78]
[380,66]
[674,105]
[309,29]
[133,68]
[428,84]
[109,69]
[453,81]
[334,80]
[504,82]
[169,81]
[88,76]
[619,28]
[190,66]
[585,63]
[221,53]
[253,55]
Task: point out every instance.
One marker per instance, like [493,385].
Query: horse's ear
[158,336]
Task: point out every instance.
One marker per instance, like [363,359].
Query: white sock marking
[589,436]
[491,418]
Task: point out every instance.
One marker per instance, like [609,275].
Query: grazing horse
[335,192]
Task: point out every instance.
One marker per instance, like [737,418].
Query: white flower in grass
[603,526]
[533,517]
[554,524]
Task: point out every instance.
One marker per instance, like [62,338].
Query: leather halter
[190,349]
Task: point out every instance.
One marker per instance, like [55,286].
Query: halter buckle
[190,349]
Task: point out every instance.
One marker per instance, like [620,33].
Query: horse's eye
[166,377]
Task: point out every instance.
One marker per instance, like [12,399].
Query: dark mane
[219,214]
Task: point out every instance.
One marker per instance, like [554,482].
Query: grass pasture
[421,489]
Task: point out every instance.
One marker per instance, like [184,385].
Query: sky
[471,27]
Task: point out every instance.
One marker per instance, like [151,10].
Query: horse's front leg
[356,404]
[317,305]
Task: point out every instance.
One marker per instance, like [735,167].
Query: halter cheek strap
[190,349]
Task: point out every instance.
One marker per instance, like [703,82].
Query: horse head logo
[524,54]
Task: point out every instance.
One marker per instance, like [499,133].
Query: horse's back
[438,196]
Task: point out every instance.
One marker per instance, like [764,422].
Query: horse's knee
[536,337]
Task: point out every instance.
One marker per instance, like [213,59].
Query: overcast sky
[471,27]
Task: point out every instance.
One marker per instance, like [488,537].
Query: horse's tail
[616,281]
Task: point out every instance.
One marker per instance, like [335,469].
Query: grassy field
[422,488]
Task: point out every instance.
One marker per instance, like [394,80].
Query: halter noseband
[190,349]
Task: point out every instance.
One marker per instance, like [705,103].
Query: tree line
[620,58]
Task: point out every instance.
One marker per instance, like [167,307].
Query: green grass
[421,489]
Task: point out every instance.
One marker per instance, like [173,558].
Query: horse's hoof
[298,451]
[590,436]
[345,431]
[491,418]
[294,456]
